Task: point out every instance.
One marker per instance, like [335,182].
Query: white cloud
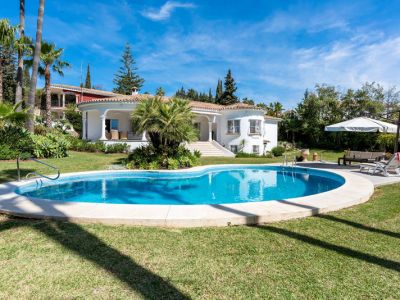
[165,11]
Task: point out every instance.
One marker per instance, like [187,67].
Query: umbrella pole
[396,143]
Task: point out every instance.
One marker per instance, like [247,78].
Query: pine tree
[9,68]
[219,91]
[88,83]
[126,78]
[160,92]
[229,97]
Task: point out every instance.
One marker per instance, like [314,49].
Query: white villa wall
[94,125]
[271,134]
[122,111]
[244,116]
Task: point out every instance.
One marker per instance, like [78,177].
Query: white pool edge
[355,190]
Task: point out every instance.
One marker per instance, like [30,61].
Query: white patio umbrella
[363,124]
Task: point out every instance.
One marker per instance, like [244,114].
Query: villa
[223,130]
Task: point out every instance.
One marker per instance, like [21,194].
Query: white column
[210,131]
[59,100]
[84,125]
[63,100]
[144,136]
[103,127]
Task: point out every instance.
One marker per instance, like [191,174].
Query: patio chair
[123,135]
[393,164]
[114,135]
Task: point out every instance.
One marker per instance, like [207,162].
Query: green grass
[82,161]
[353,253]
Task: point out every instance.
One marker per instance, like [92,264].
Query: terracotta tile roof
[84,90]
[194,104]
[272,118]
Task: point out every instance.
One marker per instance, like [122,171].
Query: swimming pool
[210,185]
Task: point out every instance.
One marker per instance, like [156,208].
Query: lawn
[353,253]
[82,161]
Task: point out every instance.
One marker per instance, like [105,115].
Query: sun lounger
[393,164]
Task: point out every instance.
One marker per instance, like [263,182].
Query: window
[70,99]
[256,149]
[255,126]
[55,101]
[234,148]
[234,126]
[114,124]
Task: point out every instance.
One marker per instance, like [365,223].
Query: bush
[14,140]
[117,148]
[146,157]
[386,141]
[7,153]
[278,151]
[50,146]
[76,144]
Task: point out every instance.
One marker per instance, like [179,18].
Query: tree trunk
[18,91]
[48,96]
[1,79]
[36,57]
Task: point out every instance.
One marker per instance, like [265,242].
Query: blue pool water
[215,185]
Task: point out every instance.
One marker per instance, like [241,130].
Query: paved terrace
[377,179]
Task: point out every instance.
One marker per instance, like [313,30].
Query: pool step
[212,148]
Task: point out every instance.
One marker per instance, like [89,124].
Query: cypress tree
[219,91]
[229,97]
[126,78]
[88,83]
[210,96]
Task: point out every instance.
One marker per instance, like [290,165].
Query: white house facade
[223,130]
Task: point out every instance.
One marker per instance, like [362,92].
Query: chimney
[134,90]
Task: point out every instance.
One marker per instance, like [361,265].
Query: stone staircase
[210,149]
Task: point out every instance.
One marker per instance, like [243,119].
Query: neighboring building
[223,130]
[62,95]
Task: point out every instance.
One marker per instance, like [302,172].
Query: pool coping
[355,190]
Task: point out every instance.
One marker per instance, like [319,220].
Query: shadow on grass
[11,174]
[73,237]
[85,244]
[382,262]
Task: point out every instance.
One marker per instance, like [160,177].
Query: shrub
[7,153]
[117,148]
[386,141]
[278,151]
[74,117]
[147,157]
[50,146]
[15,140]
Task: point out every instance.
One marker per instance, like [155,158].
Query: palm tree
[7,37]
[167,123]
[50,60]
[11,114]
[20,49]
[35,65]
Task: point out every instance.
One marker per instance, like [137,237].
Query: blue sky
[276,49]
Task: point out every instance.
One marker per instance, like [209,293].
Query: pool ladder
[286,162]
[37,173]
